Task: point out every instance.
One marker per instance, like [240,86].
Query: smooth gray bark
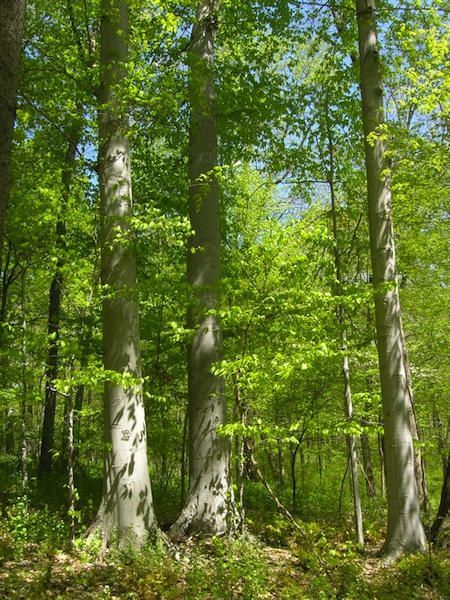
[126,513]
[207,504]
[405,532]
[12,15]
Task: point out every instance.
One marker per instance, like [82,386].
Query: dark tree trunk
[12,15]
[444,505]
[54,315]
[368,467]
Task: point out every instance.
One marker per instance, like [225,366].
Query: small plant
[39,528]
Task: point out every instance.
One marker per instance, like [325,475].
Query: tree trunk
[347,388]
[9,431]
[382,463]
[444,505]
[405,532]
[126,513]
[12,14]
[54,314]
[419,465]
[368,467]
[207,505]
[443,437]
[48,428]
[24,402]
[70,467]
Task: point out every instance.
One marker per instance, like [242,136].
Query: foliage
[34,562]
[289,126]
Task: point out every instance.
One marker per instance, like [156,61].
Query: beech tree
[126,510]
[405,532]
[207,505]
[260,258]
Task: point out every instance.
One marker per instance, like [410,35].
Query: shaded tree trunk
[48,427]
[419,465]
[9,431]
[9,275]
[207,505]
[443,437]
[382,464]
[54,315]
[126,512]
[405,532]
[366,451]
[368,466]
[12,15]
[444,505]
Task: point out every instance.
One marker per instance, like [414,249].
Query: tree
[126,510]
[405,532]
[12,15]
[207,505]
[46,458]
[340,311]
[444,504]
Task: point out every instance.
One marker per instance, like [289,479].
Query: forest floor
[216,569]
[316,560]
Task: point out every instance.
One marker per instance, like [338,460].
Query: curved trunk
[206,507]
[126,513]
[405,532]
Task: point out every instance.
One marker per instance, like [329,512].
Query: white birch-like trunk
[126,513]
[207,504]
[405,532]
[12,14]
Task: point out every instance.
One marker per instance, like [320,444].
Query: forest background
[293,197]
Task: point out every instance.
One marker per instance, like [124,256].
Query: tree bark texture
[207,503]
[126,513]
[12,15]
[405,532]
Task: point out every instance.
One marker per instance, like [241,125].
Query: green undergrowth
[276,561]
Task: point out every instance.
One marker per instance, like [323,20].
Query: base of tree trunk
[107,527]
[205,512]
[395,549]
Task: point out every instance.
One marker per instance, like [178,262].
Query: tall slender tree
[207,505]
[405,532]
[348,404]
[46,458]
[126,512]
[12,15]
